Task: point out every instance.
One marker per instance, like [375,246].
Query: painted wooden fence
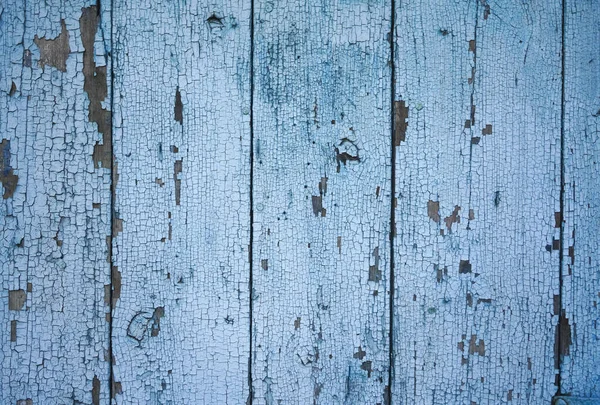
[299,202]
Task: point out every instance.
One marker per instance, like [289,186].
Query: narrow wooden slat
[478,184]
[580,326]
[321,202]
[55,206]
[182,103]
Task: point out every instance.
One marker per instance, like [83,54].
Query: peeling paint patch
[317,206]
[374,272]
[95,85]
[347,151]
[487,130]
[54,52]
[178,168]
[116,285]
[13,89]
[16,299]
[367,366]
[96,391]
[453,218]
[360,354]
[297,323]
[433,210]
[464,267]
[400,121]
[8,179]
[564,334]
[159,312]
[13,331]
[178,107]
[476,346]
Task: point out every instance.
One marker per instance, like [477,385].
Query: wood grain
[321,202]
[55,206]
[182,134]
[478,183]
[579,335]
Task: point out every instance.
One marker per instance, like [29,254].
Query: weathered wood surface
[580,332]
[478,182]
[321,202]
[248,148]
[55,206]
[182,136]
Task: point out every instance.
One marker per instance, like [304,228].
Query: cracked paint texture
[220,231]
[181,138]
[55,214]
[580,361]
[473,309]
[321,203]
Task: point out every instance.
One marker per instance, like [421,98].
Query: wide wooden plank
[55,206]
[579,334]
[478,183]
[181,298]
[321,202]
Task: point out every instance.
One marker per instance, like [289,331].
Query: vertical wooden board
[181,308]
[55,207]
[321,202]
[579,333]
[478,175]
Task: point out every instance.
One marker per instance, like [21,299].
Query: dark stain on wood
[564,331]
[96,391]
[360,354]
[497,198]
[54,52]
[94,84]
[441,274]
[178,107]
[116,284]
[13,89]
[13,331]
[317,206]
[374,272]
[367,366]
[159,312]
[8,178]
[178,168]
[27,58]
[347,151]
[16,299]
[464,267]
[400,121]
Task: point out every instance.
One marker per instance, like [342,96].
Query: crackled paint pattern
[181,143]
[580,337]
[478,93]
[221,229]
[321,202]
[55,210]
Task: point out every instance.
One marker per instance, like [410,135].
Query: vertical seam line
[392,40]
[251,197]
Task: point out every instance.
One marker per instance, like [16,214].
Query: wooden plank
[181,317]
[579,333]
[478,174]
[55,206]
[321,202]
